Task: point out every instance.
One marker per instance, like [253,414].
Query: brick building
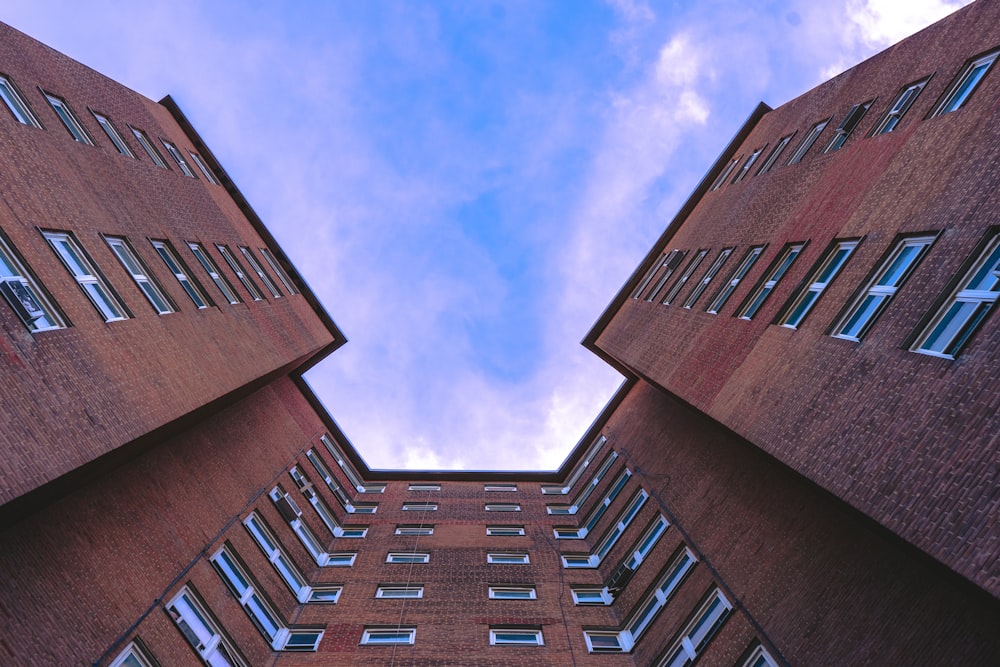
[801,468]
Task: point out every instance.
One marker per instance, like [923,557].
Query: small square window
[516,636]
[408,557]
[370,488]
[400,591]
[904,100]
[69,119]
[16,103]
[113,135]
[568,533]
[512,593]
[507,558]
[388,636]
[414,530]
[178,158]
[603,642]
[302,639]
[965,84]
[503,507]
[505,531]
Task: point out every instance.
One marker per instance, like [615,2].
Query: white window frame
[848,125]
[689,270]
[595,595]
[178,157]
[210,267]
[779,267]
[113,134]
[203,166]
[697,634]
[87,276]
[735,278]
[773,156]
[503,507]
[25,296]
[285,279]
[408,557]
[721,180]
[965,84]
[585,492]
[210,644]
[241,274]
[578,469]
[388,636]
[702,285]
[511,592]
[414,530]
[180,271]
[759,657]
[324,593]
[16,104]
[279,559]
[345,465]
[140,273]
[828,270]
[147,145]
[419,506]
[807,141]
[505,531]
[69,119]
[500,488]
[507,558]
[647,542]
[530,637]
[256,267]
[247,593]
[399,591]
[745,169]
[900,105]
[326,515]
[611,537]
[424,487]
[138,655]
[646,279]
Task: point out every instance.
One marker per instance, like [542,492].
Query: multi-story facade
[801,467]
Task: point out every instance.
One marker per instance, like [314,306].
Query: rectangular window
[965,84]
[90,280]
[759,657]
[695,637]
[16,104]
[327,476]
[241,274]
[212,270]
[673,261]
[278,271]
[303,639]
[277,556]
[603,641]
[400,591]
[362,508]
[775,273]
[512,593]
[23,293]
[507,558]
[679,283]
[414,530]
[741,174]
[967,307]
[737,275]
[904,100]
[503,507]
[325,594]
[133,656]
[567,533]
[584,595]
[880,290]
[647,542]
[209,176]
[178,158]
[598,511]
[721,180]
[424,487]
[264,278]
[140,274]
[585,492]
[69,120]
[371,488]
[707,278]
[181,273]
[113,135]
[847,126]
[345,467]
[388,636]
[420,507]
[247,593]
[773,156]
[408,557]
[516,636]
[808,141]
[659,264]
[571,561]
[505,531]
[500,488]
[817,283]
[201,630]
[148,146]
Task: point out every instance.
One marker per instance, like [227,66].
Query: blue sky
[466,185]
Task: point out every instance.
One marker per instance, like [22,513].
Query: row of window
[32,303]
[22,112]
[954,97]
[943,332]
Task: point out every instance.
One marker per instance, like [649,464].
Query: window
[505,531]
[759,657]
[371,488]
[322,509]
[69,119]
[583,595]
[567,533]
[673,260]
[879,292]
[503,507]
[611,537]
[500,488]
[303,639]
[278,271]
[264,278]
[345,465]
[240,272]
[737,275]
[659,264]
[388,636]
[209,176]
[213,272]
[140,274]
[181,273]
[512,593]
[362,508]
[178,158]
[603,641]
[507,558]
[707,278]
[773,156]
[775,272]
[408,557]
[688,270]
[647,542]
[16,104]
[148,146]
[851,121]
[699,632]
[420,507]
[327,476]
[414,530]
[82,269]
[325,593]
[965,84]
[966,309]
[24,295]
[598,511]
[516,636]
[113,135]
[817,283]
[808,141]
[133,656]
[899,107]
[424,487]
[201,630]
[585,492]
[290,511]
[725,173]
[279,559]
[741,174]
[396,591]
[578,469]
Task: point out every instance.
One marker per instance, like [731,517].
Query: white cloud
[884,22]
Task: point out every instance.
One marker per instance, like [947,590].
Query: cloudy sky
[466,185]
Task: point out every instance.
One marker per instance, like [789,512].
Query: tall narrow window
[203,166]
[178,158]
[202,631]
[773,156]
[735,278]
[883,287]
[682,280]
[673,261]
[259,270]
[695,637]
[707,278]
[817,283]
[777,270]
[965,84]
[148,146]
[181,272]
[140,274]
[659,264]
[851,120]
[240,272]
[278,271]
[247,593]
[113,135]
[741,174]
[272,549]
[967,307]
[69,119]
[24,295]
[90,281]
[720,181]
[808,141]
[16,104]
[213,272]
[904,100]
